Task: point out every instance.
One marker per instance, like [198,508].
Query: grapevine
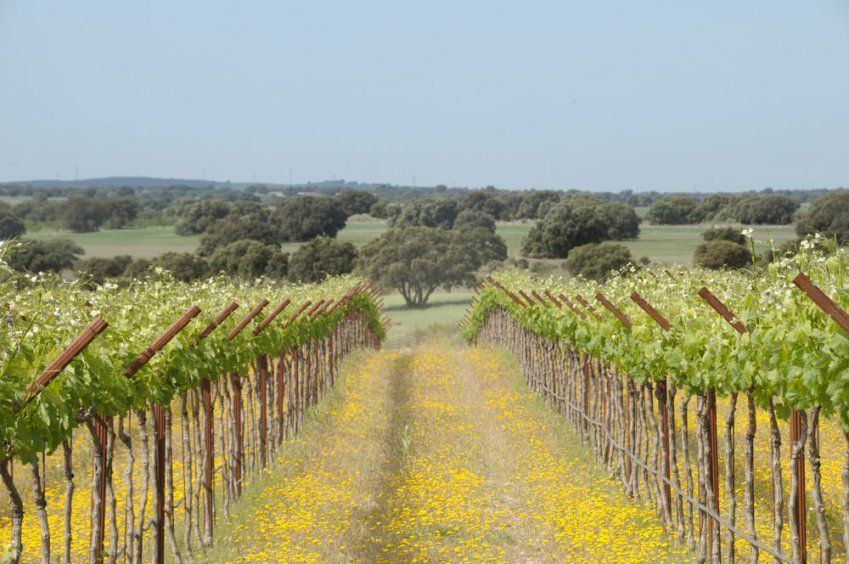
[615,358]
[286,354]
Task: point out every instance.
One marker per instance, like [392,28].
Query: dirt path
[439,453]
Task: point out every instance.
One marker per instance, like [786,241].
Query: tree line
[438,241]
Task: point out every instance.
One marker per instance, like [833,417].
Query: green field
[661,243]
[444,308]
[142,242]
[676,243]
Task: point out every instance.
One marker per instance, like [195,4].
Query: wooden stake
[624,319]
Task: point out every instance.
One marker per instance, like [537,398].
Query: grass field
[676,243]
[444,308]
[141,242]
[661,243]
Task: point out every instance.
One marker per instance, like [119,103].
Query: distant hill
[154,182]
[115,181]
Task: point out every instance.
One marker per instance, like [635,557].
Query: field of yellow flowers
[438,453]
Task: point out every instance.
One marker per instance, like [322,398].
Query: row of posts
[99,426]
[796,418]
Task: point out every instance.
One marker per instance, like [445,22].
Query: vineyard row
[212,411]
[664,379]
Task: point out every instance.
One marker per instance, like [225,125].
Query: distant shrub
[675,210]
[829,216]
[307,217]
[597,260]
[43,256]
[356,201]
[10,225]
[247,259]
[98,269]
[765,210]
[183,266]
[720,253]
[320,258]
[724,234]
[471,219]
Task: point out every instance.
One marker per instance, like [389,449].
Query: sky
[602,95]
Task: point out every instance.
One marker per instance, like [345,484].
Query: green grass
[443,308]
[142,242]
[513,233]
[661,243]
[641,211]
[362,232]
[676,243]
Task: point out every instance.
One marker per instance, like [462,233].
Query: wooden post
[741,328]
[580,299]
[209,461]
[528,299]
[840,317]
[159,482]
[296,392]
[554,300]
[101,437]
[53,369]
[296,313]
[572,307]
[262,367]
[218,320]
[713,448]
[509,294]
[236,382]
[246,319]
[823,301]
[208,435]
[99,428]
[539,298]
[270,317]
[262,364]
[281,396]
[624,319]
[159,469]
[723,311]
[660,394]
[800,516]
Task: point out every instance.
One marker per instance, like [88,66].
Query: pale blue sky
[600,95]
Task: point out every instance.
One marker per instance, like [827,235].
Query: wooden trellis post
[661,392]
[588,306]
[554,300]
[539,298]
[713,479]
[262,365]
[77,346]
[741,328]
[159,469]
[236,382]
[626,321]
[796,423]
[509,294]
[208,437]
[527,298]
[99,427]
[571,306]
